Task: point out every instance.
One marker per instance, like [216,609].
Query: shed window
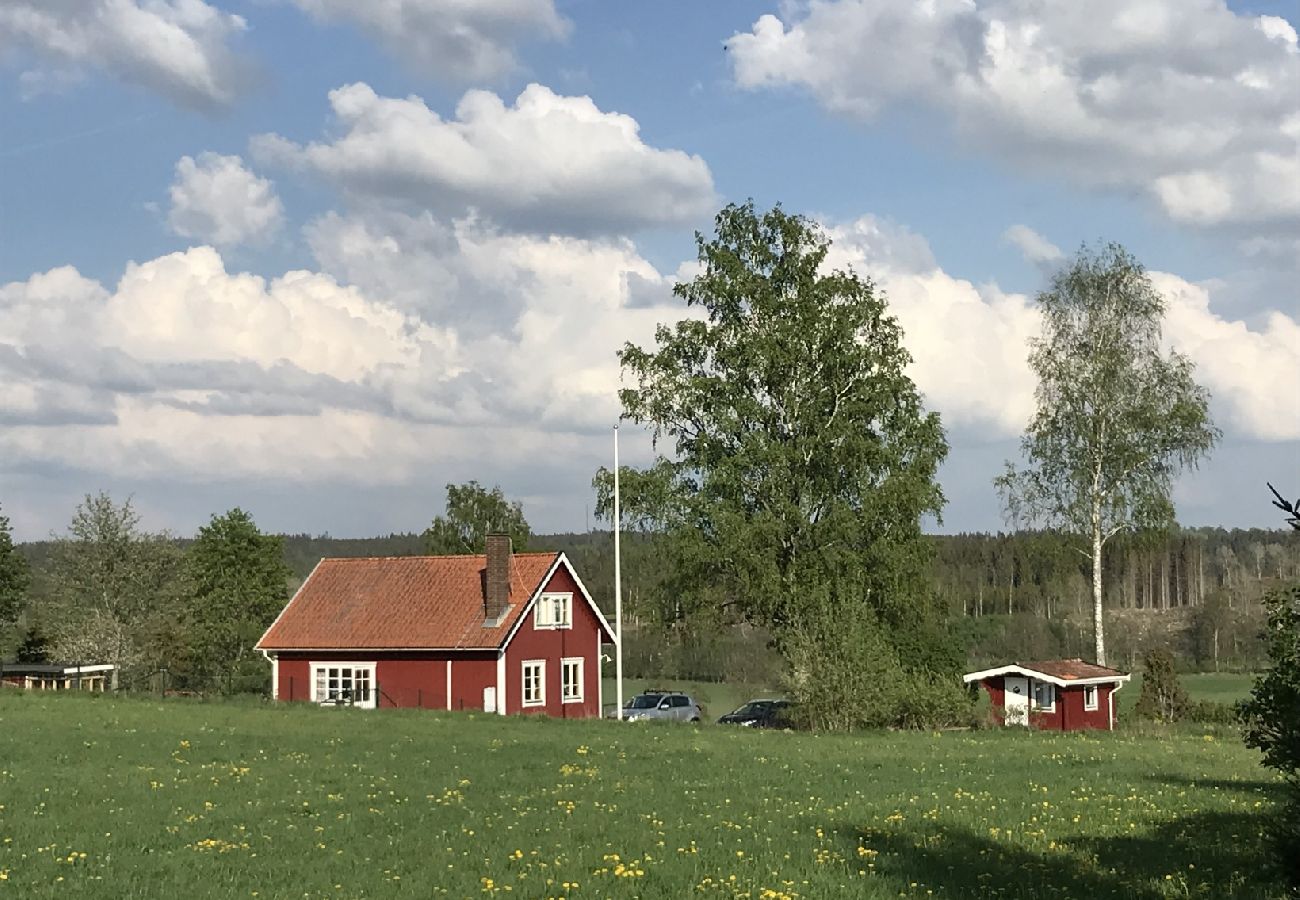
[571,679]
[1045,696]
[554,611]
[350,684]
[1090,697]
[534,693]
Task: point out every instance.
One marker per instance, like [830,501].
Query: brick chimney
[496,594]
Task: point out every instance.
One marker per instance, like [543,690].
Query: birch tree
[1118,416]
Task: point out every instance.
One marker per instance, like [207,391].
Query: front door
[1017,699]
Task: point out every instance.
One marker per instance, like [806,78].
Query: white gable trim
[258,645]
[560,560]
[1043,676]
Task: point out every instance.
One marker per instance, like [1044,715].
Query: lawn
[104,797]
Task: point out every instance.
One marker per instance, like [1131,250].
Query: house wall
[1069,714]
[405,680]
[553,645]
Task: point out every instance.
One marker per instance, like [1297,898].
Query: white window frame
[571,690]
[1049,707]
[553,611]
[368,667]
[540,666]
[1096,694]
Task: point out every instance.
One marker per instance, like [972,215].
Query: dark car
[760,714]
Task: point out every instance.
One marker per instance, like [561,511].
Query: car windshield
[756,708]
[644,701]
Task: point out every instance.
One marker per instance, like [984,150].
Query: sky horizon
[318,259]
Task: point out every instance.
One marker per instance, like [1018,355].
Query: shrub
[847,676]
[933,701]
[844,675]
[1207,712]
[1163,698]
[1272,719]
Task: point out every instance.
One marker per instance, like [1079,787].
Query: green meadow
[104,797]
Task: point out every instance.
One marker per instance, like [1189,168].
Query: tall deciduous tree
[114,586]
[1117,415]
[803,457]
[14,576]
[474,512]
[239,583]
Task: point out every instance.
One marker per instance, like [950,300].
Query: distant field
[104,797]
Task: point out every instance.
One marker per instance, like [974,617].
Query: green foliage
[473,512]
[803,459]
[14,576]
[1272,718]
[115,592]
[1163,697]
[1117,417]
[846,675]
[239,584]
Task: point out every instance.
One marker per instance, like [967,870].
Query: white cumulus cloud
[1186,100]
[461,40]
[969,342]
[547,163]
[217,200]
[178,48]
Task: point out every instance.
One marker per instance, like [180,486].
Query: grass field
[104,797]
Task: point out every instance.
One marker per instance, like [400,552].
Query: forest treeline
[1022,595]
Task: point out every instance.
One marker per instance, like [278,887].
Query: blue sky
[462,279]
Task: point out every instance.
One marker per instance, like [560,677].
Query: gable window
[534,692]
[554,611]
[1044,696]
[1090,697]
[345,684]
[571,679]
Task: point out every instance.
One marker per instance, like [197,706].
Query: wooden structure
[501,632]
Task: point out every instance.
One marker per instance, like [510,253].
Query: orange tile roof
[401,602]
[1070,669]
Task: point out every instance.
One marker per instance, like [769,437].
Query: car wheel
[696,720]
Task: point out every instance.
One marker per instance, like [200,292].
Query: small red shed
[500,632]
[1054,694]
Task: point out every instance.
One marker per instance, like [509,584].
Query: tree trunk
[1096,584]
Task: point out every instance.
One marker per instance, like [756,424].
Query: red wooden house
[501,632]
[1055,694]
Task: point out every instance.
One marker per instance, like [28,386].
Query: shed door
[1017,699]
[489,699]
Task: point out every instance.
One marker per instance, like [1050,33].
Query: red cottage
[1055,694]
[503,632]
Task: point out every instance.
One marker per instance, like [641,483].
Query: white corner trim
[501,683]
[275,676]
[1043,676]
[586,596]
[448,685]
[600,681]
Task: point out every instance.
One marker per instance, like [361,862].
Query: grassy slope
[127,798]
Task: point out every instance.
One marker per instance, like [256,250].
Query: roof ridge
[435,556]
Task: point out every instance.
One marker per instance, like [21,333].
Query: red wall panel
[553,645]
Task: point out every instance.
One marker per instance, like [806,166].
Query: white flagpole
[618,594]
